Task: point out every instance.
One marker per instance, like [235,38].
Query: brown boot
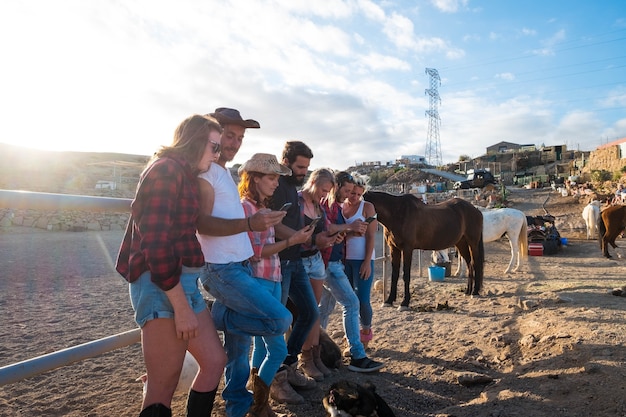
[318,361]
[260,406]
[282,391]
[297,379]
[307,365]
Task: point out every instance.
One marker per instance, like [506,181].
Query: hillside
[68,172]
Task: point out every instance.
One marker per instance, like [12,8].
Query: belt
[307,253]
[244,263]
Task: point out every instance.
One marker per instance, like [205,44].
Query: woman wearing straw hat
[258,180]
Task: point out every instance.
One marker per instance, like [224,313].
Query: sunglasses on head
[343,178]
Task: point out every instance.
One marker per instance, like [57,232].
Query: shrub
[600,175]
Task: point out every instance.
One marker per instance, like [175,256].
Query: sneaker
[364,365]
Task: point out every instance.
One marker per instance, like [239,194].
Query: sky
[349,78]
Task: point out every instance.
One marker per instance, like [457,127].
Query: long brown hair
[190,139]
[247,188]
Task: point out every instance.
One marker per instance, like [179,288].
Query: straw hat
[264,163]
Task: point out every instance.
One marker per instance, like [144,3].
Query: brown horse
[611,223]
[411,224]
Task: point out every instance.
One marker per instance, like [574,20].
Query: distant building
[610,156]
[368,163]
[411,159]
[503,147]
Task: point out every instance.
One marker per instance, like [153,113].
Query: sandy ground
[545,341]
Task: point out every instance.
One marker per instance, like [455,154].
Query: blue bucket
[436,273]
[564,241]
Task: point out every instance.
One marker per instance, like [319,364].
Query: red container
[535,249]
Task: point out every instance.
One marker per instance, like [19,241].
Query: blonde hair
[316,179]
[361,180]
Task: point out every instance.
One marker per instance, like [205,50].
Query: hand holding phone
[371,218]
[285,206]
[314,222]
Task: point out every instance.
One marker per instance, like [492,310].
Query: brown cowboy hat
[227,116]
[264,163]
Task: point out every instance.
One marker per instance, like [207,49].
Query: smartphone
[371,218]
[285,206]
[314,222]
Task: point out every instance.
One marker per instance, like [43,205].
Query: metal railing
[10,199]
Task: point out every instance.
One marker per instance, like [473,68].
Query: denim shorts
[314,266]
[151,302]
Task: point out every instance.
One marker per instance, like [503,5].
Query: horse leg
[396,254]
[461,269]
[514,257]
[604,246]
[602,237]
[464,254]
[407,259]
[478,261]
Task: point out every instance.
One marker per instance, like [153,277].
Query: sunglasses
[216,146]
[343,178]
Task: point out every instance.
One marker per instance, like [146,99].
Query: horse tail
[523,240]
[601,229]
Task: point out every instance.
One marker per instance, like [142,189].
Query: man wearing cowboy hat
[222,232]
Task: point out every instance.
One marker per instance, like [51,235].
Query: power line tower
[433,144]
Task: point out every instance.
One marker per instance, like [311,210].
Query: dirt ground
[545,341]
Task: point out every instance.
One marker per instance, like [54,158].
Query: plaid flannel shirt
[161,232]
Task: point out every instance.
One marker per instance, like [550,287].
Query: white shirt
[355,245]
[226,205]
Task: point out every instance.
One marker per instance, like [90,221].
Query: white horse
[591,213]
[496,223]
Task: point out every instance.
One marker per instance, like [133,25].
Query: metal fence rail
[31,367]
[11,199]
[48,201]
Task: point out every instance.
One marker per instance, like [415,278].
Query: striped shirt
[269,267]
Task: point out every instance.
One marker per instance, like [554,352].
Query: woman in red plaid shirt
[259,179]
[161,258]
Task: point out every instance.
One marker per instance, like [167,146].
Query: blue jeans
[269,352]
[242,309]
[363,288]
[297,287]
[339,287]
[150,302]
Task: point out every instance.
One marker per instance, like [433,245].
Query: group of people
[254,246]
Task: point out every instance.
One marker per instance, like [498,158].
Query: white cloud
[550,43]
[506,76]
[449,6]
[347,77]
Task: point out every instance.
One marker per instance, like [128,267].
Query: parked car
[476,179]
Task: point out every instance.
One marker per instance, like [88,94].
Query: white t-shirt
[355,245]
[227,205]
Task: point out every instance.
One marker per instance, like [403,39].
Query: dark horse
[611,223]
[411,224]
